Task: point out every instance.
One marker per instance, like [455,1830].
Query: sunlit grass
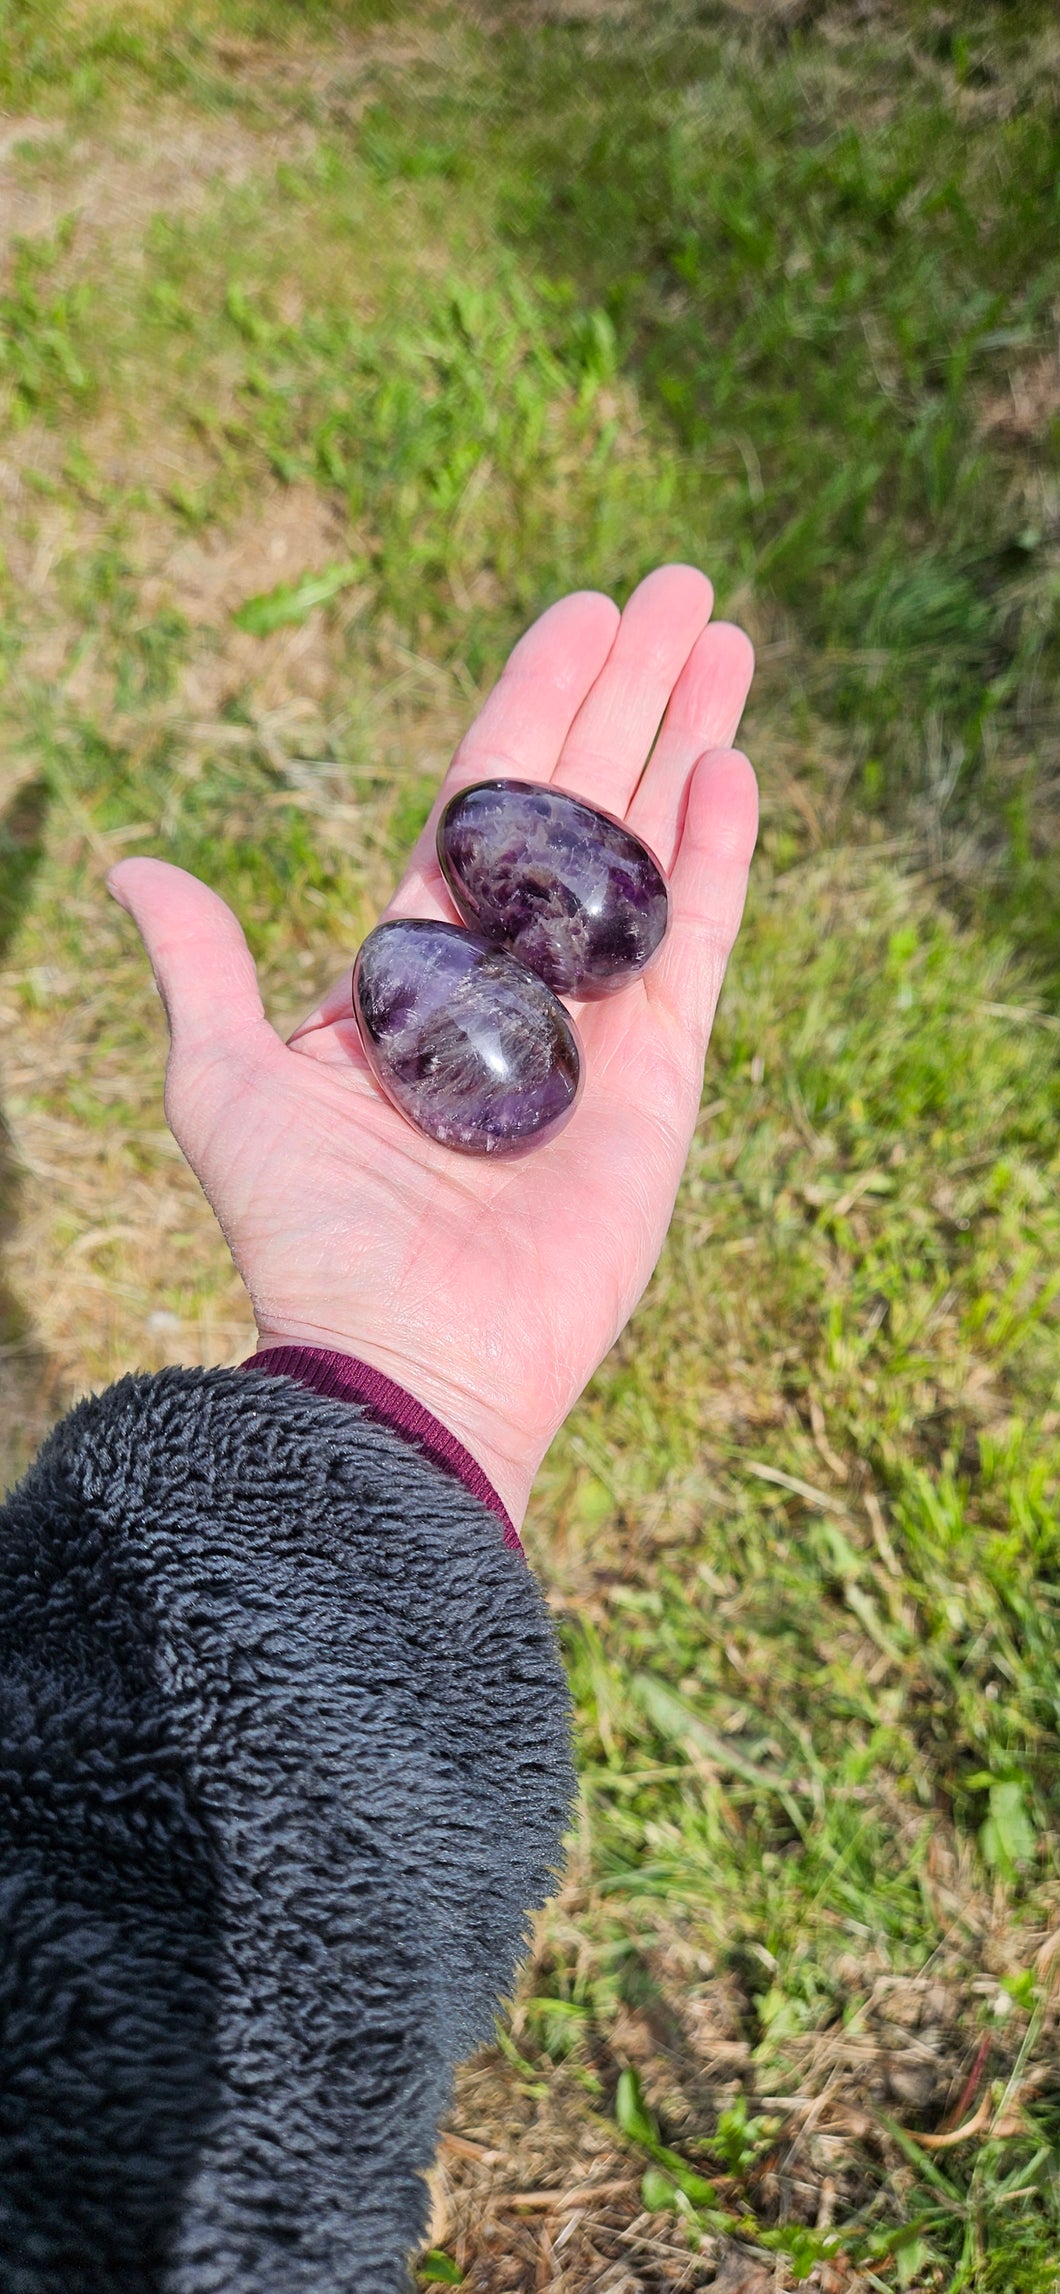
[301,422]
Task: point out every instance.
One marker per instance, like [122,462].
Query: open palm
[488,1289]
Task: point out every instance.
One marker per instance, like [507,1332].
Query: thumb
[200,959]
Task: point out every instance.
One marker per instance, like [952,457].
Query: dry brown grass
[167,161]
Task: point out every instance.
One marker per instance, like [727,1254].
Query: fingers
[200,959]
[704,714]
[604,752]
[524,722]
[708,884]
[580,702]
[521,727]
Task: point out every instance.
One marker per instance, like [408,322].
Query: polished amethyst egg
[471,1046]
[567,889]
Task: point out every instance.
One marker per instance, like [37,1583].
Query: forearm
[285,1765]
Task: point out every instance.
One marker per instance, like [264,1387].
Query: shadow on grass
[25,1397]
[815,301]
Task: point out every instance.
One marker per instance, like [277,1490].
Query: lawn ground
[333,344]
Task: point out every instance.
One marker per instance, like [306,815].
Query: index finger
[519,731]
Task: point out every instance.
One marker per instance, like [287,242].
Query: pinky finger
[708,885]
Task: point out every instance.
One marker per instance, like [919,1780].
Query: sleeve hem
[342,1378]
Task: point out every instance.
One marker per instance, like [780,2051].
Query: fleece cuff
[344,1379]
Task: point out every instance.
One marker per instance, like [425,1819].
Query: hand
[488,1289]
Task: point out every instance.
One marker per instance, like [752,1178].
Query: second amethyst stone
[565,888]
[469,1045]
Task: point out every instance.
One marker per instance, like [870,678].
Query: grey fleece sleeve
[283,1765]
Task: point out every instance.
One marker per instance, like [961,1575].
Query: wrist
[505,1468]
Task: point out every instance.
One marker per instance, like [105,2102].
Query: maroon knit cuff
[346,1380]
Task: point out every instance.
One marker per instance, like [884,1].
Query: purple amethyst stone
[562,886]
[470,1046]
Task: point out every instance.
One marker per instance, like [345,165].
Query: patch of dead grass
[1031,403]
[535,2189]
[167,161]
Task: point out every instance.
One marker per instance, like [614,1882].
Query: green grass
[829,257]
[814,1705]
[516,307]
[824,258]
